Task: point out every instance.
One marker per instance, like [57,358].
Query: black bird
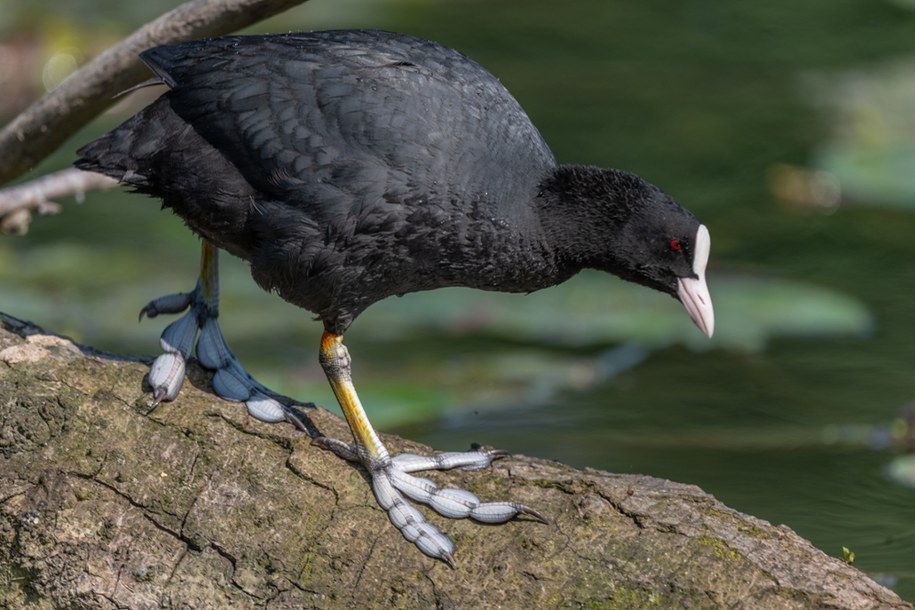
[349,166]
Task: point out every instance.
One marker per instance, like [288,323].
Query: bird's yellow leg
[336,361]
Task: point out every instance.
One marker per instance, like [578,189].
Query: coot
[349,166]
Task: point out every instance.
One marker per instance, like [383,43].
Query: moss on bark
[104,504]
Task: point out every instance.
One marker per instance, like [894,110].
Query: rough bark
[194,505]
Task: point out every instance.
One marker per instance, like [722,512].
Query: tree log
[104,504]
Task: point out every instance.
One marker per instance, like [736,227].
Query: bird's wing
[333,120]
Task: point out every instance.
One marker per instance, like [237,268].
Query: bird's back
[376,115]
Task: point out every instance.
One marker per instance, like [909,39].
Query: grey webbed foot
[392,484]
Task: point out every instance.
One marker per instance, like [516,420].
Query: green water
[703,98]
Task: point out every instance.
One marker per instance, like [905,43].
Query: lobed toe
[166,375]
[266,409]
[179,335]
[170,303]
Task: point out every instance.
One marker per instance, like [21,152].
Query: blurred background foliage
[787,127]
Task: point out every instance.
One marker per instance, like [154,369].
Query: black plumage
[347,166]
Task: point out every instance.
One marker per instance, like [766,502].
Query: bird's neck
[581,209]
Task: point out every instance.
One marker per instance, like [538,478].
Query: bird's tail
[128,153]
[159,154]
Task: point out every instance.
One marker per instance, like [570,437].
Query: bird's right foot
[393,483]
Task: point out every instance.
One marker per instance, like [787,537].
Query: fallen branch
[46,124]
[194,505]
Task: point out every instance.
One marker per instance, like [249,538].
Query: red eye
[676,245]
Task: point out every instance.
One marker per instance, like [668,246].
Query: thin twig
[47,123]
[34,194]
[18,202]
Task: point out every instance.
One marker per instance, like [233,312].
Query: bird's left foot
[230,379]
[392,480]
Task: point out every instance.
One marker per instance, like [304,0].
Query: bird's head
[661,245]
[617,222]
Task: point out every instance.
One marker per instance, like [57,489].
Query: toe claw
[449,559]
[338,447]
[293,417]
[527,510]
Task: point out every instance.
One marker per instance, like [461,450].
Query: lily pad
[595,309]
[870,153]
[902,470]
